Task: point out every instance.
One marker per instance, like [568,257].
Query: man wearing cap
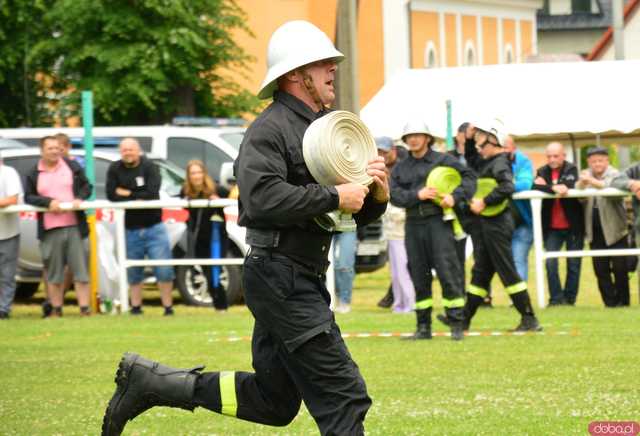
[403,294]
[298,352]
[492,250]
[605,222]
[562,222]
[429,239]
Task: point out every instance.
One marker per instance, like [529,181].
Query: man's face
[51,151]
[598,163]
[416,142]
[509,145]
[460,139]
[555,156]
[389,156]
[130,152]
[323,74]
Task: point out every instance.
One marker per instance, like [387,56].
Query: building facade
[393,35]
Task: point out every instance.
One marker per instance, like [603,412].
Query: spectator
[562,222]
[10,193]
[199,185]
[66,145]
[521,209]
[134,177]
[56,179]
[404,297]
[605,220]
[345,245]
[629,180]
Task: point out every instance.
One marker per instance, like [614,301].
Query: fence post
[536,211]
[121,253]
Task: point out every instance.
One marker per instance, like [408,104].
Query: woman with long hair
[199,185]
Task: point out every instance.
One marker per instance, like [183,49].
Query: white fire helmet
[292,45]
[495,127]
[415,127]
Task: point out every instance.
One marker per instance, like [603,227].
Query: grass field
[56,375]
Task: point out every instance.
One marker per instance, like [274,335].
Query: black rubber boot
[528,323]
[457,332]
[143,384]
[423,331]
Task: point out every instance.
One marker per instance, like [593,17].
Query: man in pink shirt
[55,180]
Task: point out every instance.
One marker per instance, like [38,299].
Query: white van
[214,145]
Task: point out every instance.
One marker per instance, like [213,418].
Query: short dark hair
[463,127]
[46,138]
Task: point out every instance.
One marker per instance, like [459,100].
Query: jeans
[154,243]
[553,242]
[520,245]
[8,263]
[344,255]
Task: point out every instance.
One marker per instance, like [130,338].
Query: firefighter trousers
[298,354]
[431,245]
[492,254]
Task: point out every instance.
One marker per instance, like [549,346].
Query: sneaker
[342,308]
[136,310]
[46,309]
[168,311]
[528,323]
[4,315]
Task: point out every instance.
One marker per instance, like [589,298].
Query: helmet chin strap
[307,80]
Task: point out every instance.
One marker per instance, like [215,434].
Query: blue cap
[384,143]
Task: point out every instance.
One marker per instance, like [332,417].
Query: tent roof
[531,99]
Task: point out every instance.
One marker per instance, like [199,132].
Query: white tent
[532,99]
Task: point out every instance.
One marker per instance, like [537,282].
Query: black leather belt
[424,210]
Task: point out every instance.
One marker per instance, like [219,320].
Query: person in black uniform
[492,249]
[298,351]
[429,239]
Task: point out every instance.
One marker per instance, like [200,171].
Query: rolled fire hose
[446,180]
[337,149]
[485,186]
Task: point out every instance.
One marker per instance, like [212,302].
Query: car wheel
[26,290]
[193,284]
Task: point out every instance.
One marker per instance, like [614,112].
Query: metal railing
[536,197]
[119,209]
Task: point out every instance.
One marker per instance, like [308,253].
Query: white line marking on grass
[405,334]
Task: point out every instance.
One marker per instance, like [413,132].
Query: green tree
[147,60]
[22,101]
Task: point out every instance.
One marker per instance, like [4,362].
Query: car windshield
[172,178]
[234,139]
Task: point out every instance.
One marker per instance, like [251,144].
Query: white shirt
[10,185]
